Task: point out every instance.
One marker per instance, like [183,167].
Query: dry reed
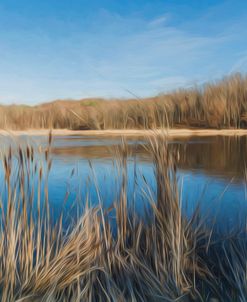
[164,257]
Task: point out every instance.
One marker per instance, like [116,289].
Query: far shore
[174,132]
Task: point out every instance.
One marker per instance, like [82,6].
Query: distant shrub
[222,104]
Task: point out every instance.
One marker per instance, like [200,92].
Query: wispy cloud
[156,58]
[110,53]
[160,20]
[240,65]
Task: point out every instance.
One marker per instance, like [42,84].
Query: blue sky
[54,49]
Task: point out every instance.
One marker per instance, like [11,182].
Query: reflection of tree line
[225,156]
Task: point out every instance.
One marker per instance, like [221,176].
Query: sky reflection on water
[211,172]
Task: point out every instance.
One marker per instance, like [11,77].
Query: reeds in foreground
[164,257]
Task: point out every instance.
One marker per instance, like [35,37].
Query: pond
[211,173]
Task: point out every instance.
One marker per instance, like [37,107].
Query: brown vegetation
[164,256]
[216,105]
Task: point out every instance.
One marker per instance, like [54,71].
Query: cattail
[32,153]
[49,165]
[46,155]
[40,173]
[21,156]
[28,152]
[50,138]
[5,163]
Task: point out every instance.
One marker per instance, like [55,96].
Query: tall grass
[164,256]
[220,104]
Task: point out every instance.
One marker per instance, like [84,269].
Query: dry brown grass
[162,257]
[222,104]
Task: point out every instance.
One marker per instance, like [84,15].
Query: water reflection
[211,172]
[218,156]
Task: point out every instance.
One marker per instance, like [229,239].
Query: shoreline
[173,132]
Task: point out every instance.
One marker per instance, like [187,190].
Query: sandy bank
[131,132]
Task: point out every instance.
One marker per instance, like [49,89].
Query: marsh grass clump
[164,256]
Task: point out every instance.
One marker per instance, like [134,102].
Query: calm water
[211,173]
